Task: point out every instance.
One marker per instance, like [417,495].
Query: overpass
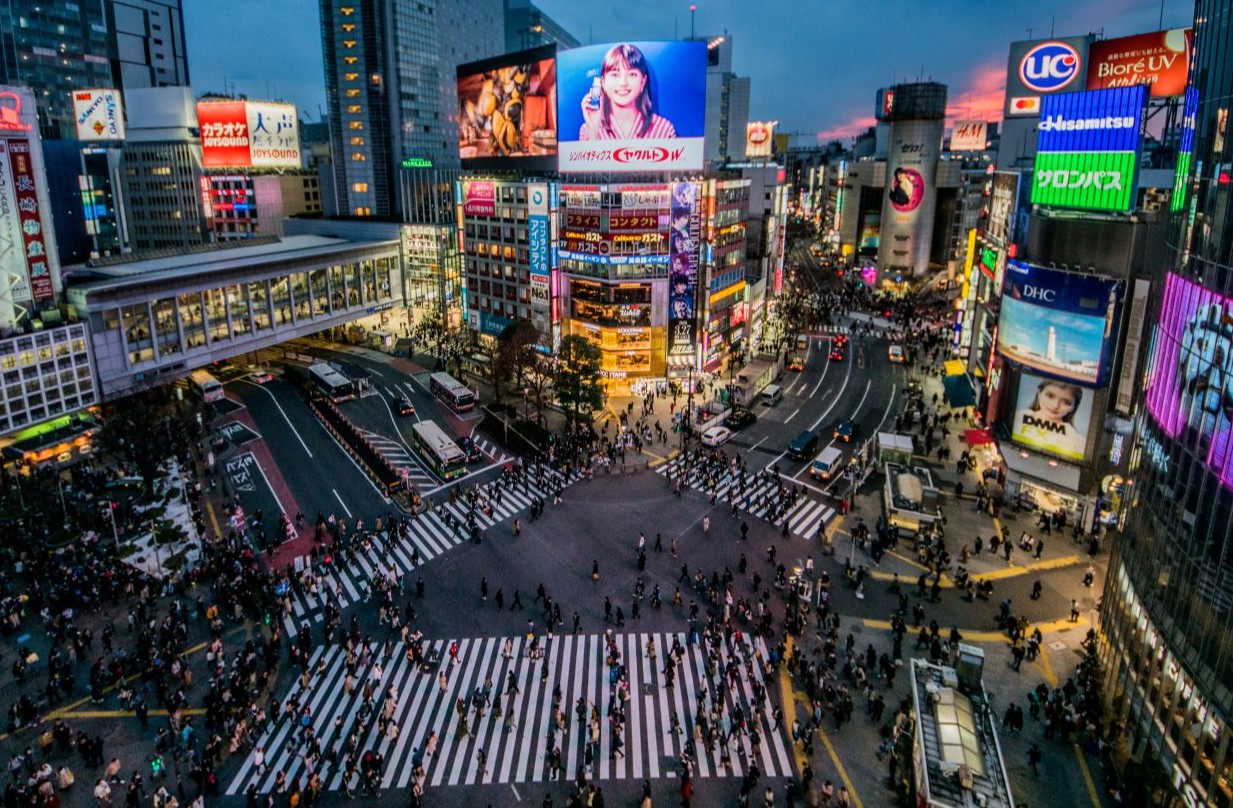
[154,319]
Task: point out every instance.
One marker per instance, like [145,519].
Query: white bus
[441,454]
[332,384]
[457,395]
[209,388]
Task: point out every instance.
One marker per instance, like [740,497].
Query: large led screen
[632,106]
[507,111]
[1190,376]
[1058,323]
[1052,416]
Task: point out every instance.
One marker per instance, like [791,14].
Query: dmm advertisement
[1003,200]
[1190,374]
[1058,323]
[1160,60]
[1052,416]
[243,134]
[507,111]
[634,106]
[1087,152]
[683,268]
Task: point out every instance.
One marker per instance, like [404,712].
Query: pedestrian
[1074,610]
[706,524]
[1040,548]
[1089,577]
[1034,756]
[595,571]
[484,589]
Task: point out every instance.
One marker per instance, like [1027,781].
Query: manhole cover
[1057,646]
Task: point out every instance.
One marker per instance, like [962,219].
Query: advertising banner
[759,139]
[635,106]
[12,245]
[507,111]
[1087,151]
[1003,199]
[1160,60]
[1190,374]
[1058,323]
[1038,68]
[909,205]
[537,230]
[683,269]
[25,191]
[1052,416]
[969,136]
[244,134]
[479,198]
[1185,150]
[99,114]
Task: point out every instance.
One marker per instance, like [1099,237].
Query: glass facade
[1168,606]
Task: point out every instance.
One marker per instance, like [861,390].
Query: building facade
[527,26]
[245,205]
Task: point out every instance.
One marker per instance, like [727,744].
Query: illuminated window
[355,109]
[348,43]
[357,141]
[351,60]
[348,27]
[360,187]
[363,211]
[353,92]
[346,11]
[351,76]
[359,157]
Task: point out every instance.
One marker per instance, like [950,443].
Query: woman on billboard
[1048,422]
[619,105]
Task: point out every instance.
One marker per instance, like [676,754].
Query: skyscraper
[526,26]
[390,87]
[727,102]
[1167,613]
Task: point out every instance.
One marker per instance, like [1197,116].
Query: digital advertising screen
[632,106]
[1185,150]
[1190,374]
[507,111]
[1087,151]
[1052,416]
[1159,59]
[1060,324]
[683,268]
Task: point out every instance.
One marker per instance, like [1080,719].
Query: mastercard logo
[1024,105]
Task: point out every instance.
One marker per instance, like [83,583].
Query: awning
[959,390]
[954,367]
[977,437]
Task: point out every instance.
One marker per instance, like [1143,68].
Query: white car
[895,353]
[260,375]
[716,435]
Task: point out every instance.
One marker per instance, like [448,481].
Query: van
[826,463]
[802,342]
[895,353]
[772,394]
[803,445]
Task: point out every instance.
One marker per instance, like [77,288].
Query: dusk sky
[815,64]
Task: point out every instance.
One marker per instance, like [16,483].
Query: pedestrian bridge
[155,319]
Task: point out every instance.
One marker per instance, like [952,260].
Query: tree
[515,346]
[147,428]
[578,384]
[538,377]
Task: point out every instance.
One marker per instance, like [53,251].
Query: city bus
[209,388]
[331,384]
[441,454]
[457,395]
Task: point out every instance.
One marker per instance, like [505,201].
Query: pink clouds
[982,97]
[847,130]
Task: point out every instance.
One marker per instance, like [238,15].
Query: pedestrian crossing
[805,519]
[491,449]
[517,731]
[397,453]
[431,533]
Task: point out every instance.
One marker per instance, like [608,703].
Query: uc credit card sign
[1088,148]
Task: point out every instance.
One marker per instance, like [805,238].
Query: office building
[727,103]
[244,205]
[526,26]
[391,89]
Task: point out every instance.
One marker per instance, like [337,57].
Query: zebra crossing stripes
[398,454]
[517,748]
[491,449]
[805,518]
[430,535]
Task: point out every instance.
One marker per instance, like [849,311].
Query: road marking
[1046,667]
[790,417]
[517,796]
[340,502]
[825,368]
[257,463]
[889,404]
[838,396]
[862,402]
[127,713]
[284,412]
[1087,777]
[779,457]
[756,445]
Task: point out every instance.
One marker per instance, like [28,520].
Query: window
[351,76]
[348,43]
[359,157]
[353,92]
[346,11]
[355,109]
[351,60]
[355,125]
[360,187]
[357,141]
[348,27]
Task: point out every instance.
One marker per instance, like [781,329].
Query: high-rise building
[60,47]
[727,102]
[391,88]
[526,26]
[1167,614]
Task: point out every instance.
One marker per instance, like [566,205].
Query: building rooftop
[956,741]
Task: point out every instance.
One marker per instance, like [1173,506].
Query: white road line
[778,457]
[340,502]
[889,404]
[281,506]
[862,402]
[794,412]
[838,396]
[517,796]
[756,445]
[284,413]
[820,378]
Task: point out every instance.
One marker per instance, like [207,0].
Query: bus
[457,395]
[332,384]
[441,454]
[209,388]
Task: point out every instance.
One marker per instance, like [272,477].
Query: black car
[739,418]
[405,407]
[471,449]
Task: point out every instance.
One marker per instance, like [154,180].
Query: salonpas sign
[1087,153]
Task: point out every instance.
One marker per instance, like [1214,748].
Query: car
[716,435]
[405,407]
[836,355]
[471,449]
[260,375]
[739,418]
[803,446]
[895,353]
[845,431]
[839,341]
[797,364]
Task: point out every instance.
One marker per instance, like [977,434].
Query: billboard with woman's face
[1052,416]
[632,106]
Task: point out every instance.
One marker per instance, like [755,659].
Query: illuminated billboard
[759,138]
[634,106]
[98,114]
[1087,151]
[1052,416]
[248,134]
[969,136]
[1003,201]
[683,237]
[507,111]
[1185,150]
[1189,390]
[1160,60]
[1039,68]
[1058,323]
[25,258]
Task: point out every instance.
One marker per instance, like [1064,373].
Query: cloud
[849,129]
[982,98]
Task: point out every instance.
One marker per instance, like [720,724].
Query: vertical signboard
[683,239]
[1003,195]
[12,245]
[25,192]
[540,259]
[1185,150]
[908,209]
